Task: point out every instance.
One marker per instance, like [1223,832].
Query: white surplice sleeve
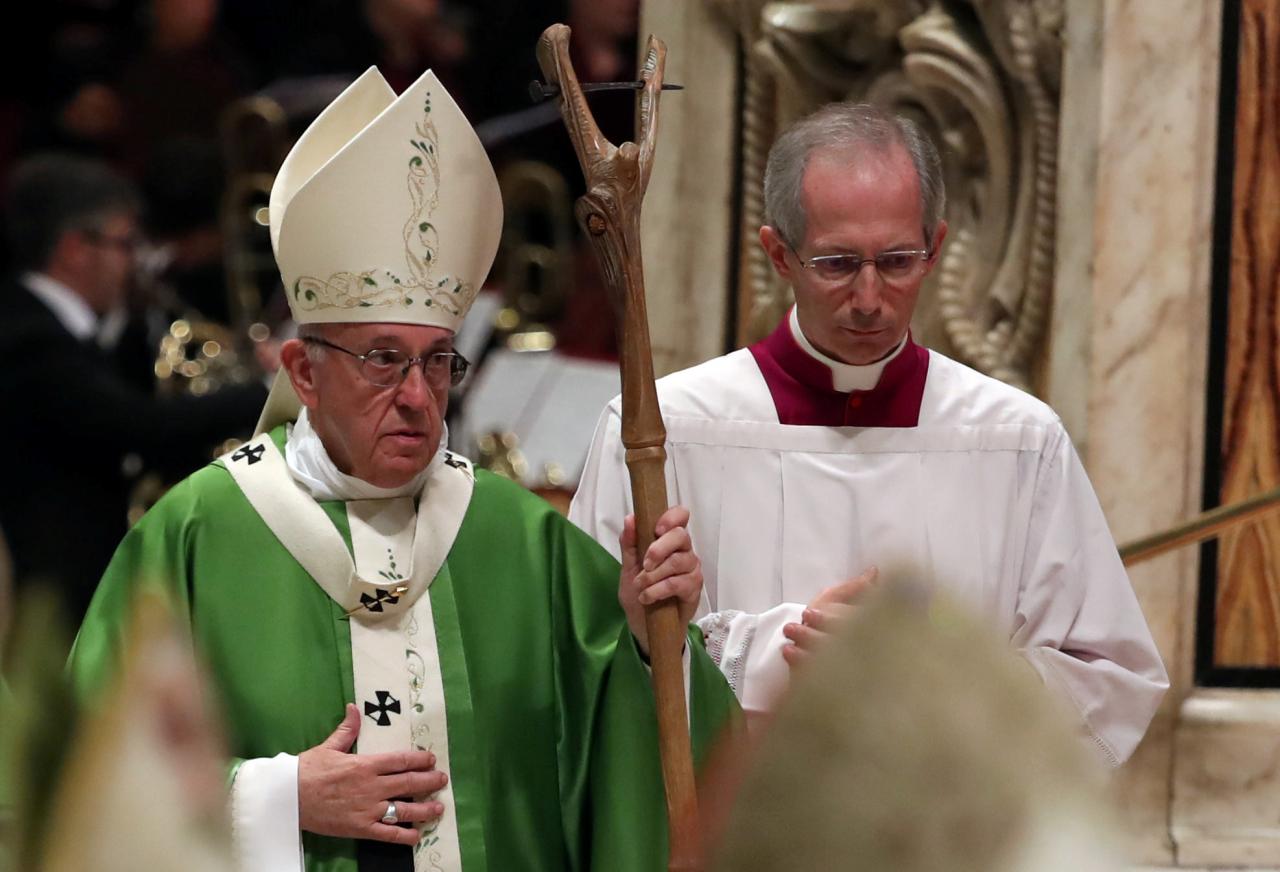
[264,815]
[1078,621]
[748,650]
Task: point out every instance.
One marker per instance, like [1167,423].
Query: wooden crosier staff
[610,214]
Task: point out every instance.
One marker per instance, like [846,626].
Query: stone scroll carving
[983,77]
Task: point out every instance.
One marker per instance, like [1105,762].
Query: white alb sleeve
[748,650]
[264,815]
[1079,623]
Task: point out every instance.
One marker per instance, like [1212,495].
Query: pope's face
[866,206]
[383,435]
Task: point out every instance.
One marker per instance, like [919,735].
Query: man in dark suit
[69,419]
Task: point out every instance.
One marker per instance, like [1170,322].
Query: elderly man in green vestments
[353,585]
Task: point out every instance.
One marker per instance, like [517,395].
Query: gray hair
[52,194]
[315,351]
[856,128]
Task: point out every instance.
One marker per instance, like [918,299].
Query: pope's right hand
[344,794]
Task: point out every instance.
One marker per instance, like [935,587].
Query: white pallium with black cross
[397,667]
[399,545]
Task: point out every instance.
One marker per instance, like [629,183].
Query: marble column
[1129,332]
[688,218]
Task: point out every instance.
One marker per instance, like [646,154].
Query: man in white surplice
[837,444]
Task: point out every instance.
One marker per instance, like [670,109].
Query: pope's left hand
[669,569]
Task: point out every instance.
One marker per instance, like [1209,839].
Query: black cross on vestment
[374,603]
[386,703]
[252,453]
[451,459]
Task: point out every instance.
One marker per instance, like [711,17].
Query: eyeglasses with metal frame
[389,367]
[893,266]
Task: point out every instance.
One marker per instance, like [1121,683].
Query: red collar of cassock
[804,393]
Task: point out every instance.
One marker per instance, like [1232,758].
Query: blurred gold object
[226,446]
[197,356]
[532,340]
[254,142]
[507,319]
[246,241]
[553,474]
[536,254]
[146,492]
[500,454]
[255,136]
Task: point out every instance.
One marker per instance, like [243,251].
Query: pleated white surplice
[985,498]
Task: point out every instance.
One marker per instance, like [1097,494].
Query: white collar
[845,377]
[310,465]
[67,306]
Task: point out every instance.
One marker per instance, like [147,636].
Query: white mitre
[386,210]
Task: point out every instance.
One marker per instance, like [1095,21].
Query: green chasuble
[553,753]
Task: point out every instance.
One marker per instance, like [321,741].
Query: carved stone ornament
[982,77]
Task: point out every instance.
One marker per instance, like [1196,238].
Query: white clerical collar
[311,467]
[67,306]
[845,377]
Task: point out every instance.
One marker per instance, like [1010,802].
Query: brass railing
[1204,526]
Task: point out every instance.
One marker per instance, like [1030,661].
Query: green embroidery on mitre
[418,286]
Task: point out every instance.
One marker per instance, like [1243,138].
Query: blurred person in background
[70,417]
[78,47]
[413,36]
[177,86]
[941,752]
